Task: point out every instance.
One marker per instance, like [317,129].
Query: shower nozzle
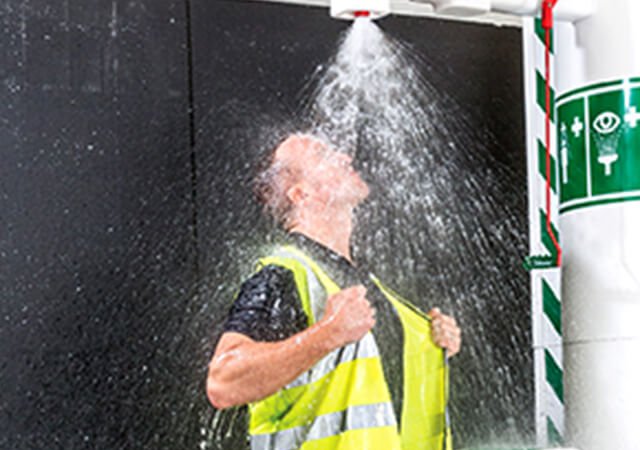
[352,9]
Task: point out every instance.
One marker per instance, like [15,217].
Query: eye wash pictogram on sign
[606,134]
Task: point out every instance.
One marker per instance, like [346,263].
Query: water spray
[588,391]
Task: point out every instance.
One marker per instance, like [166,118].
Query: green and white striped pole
[545,277]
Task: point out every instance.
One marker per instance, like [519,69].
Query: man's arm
[243,370]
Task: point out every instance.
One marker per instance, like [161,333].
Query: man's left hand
[445,331]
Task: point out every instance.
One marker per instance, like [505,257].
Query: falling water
[445,225]
[439,224]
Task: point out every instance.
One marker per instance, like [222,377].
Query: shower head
[352,9]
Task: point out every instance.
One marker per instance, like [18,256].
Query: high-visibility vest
[343,401]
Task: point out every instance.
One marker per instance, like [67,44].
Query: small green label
[538,262]
[599,145]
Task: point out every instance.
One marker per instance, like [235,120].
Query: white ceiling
[411,8]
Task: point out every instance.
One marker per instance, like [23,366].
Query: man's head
[306,174]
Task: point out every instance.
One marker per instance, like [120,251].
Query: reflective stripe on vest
[364,348]
[343,402]
[328,425]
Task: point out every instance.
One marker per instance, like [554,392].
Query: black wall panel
[96,222]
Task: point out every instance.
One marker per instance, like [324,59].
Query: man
[297,345]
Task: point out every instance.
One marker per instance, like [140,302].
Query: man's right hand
[349,316]
[243,370]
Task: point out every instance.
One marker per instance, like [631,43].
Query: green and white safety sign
[598,130]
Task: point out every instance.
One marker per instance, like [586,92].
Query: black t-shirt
[268,308]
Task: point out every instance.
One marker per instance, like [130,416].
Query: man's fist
[445,331]
[349,315]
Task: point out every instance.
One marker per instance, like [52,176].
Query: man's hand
[445,331]
[349,315]
[243,370]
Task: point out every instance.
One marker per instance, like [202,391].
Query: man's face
[326,175]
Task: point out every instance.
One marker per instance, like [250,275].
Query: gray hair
[270,186]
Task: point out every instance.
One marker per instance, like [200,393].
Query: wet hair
[270,185]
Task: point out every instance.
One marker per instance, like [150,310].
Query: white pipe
[565,10]
[462,8]
[518,7]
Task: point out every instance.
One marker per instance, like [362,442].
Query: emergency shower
[582,96]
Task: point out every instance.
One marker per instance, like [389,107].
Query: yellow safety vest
[343,402]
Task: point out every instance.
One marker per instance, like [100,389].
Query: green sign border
[585,92]
[605,84]
[600,201]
